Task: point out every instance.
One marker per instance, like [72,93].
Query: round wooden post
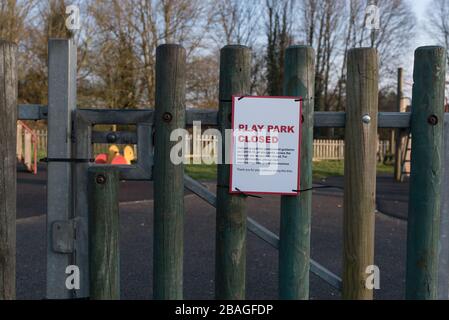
[104,225]
[8,147]
[168,177]
[425,181]
[360,171]
[230,254]
[296,211]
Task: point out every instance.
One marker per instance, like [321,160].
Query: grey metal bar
[207,117]
[443,265]
[400,120]
[112,116]
[32,112]
[262,232]
[62,101]
[200,190]
[385,119]
[329,119]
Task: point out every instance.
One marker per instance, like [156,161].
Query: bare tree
[235,21]
[437,22]
[279,37]
[13,16]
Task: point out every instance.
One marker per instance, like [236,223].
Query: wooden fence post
[425,181]
[104,257]
[230,253]
[443,263]
[296,211]
[168,177]
[8,148]
[360,171]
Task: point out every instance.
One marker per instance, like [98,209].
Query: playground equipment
[94,187]
[114,156]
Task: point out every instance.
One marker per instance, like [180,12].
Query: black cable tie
[64,160]
[248,195]
[302,100]
[320,187]
[240,98]
[226,101]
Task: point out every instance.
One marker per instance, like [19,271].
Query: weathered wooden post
[443,264]
[104,225]
[425,181]
[296,211]
[168,177]
[360,171]
[230,253]
[8,125]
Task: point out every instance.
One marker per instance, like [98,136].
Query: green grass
[321,170]
[332,168]
[202,171]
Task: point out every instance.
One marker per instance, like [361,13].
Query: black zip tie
[302,99]
[245,194]
[240,98]
[320,187]
[248,195]
[67,160]
[226,101]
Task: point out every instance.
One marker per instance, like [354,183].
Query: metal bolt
[167,117]
[432,120]
[101,179]
[111,137]
[366,119]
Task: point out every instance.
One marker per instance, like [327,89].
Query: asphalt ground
[136,240]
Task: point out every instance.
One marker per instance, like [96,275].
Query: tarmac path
[136,239]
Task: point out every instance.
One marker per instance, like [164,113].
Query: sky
[420,7]
[421,39]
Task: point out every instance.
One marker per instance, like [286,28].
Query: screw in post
[366,119]
[101,179]
[167,117]
[432,120]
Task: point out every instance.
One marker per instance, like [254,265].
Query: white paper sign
[265,148]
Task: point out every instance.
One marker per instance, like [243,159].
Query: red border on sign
[299,145]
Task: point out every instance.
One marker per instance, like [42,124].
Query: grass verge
[321,170]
